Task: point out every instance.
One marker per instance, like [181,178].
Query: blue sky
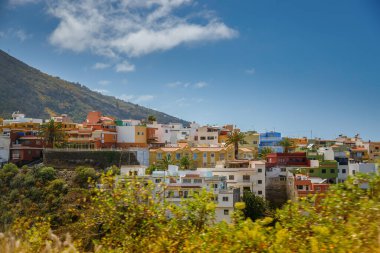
[293,66]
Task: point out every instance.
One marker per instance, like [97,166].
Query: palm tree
[286,144]
[185,163]
[236,138]
[264,152]
[164,163]
[52,133]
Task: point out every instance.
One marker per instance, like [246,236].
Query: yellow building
[252,140]
[200,156]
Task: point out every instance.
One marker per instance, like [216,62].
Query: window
[246,189]
[203,138]
[332,170]
[225,199]
[260,170]
[212,155]
[204,155]
[195,156]
[246,178]
[260,192]
[353,172]
[138,133]
[210,137]
[157,180]
[299,187]
[166,131]
[283,169]
[221,157]
[311,171]
[343,171]
[323,171]
[259,181]
[197,181]
[159,156]
[186,181]
[231,177]
[178,156]
[254,142]
[226,212]
[317,188]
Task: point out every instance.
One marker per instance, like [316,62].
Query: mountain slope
[39,95]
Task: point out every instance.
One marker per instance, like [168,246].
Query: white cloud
[104,82]
[200,85]
[130,27]
[197,85]
[251,71]
[100,65]
[125,66]
[19,34]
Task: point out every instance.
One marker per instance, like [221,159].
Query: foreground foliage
[124,216]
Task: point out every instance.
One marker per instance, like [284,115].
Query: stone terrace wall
[98,159]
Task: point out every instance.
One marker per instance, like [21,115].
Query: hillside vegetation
[48,214]
[40,95]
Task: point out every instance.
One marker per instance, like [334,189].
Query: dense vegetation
[40,95]
[122,216]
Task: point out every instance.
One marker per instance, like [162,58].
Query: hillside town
[182,160]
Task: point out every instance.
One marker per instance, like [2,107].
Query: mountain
[39,95]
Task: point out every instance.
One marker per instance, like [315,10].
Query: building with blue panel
[271,140]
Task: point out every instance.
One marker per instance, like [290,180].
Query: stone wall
[98,159]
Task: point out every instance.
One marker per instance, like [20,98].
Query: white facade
[250,178]
[207,136]
[328,153]
[183,184]
[163,132]
[361,168]
[126,134]
[132,170]
[20,118]
[142,155]
[4,149]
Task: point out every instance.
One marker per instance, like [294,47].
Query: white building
[184,184]
[207,136]
[18,117]
[4,148]
[244,175]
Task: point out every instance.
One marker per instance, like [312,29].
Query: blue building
[271,140]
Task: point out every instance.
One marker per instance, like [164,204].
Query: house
[300,185]
[199,156]
[373,149]
[131,133]
[242,174]
[252,140]
[25,146]
[5,142]
[271,140]
[175,185]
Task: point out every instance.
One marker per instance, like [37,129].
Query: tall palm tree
[264,152]
[286,144]
[236,138]
[165,162]
[52,134]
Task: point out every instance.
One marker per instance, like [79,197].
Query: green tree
[185,163]
[152,118]
[52,134]
[235,138]
[255,207]
[286,144]
[84,175]
[264,152]
[165,162]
